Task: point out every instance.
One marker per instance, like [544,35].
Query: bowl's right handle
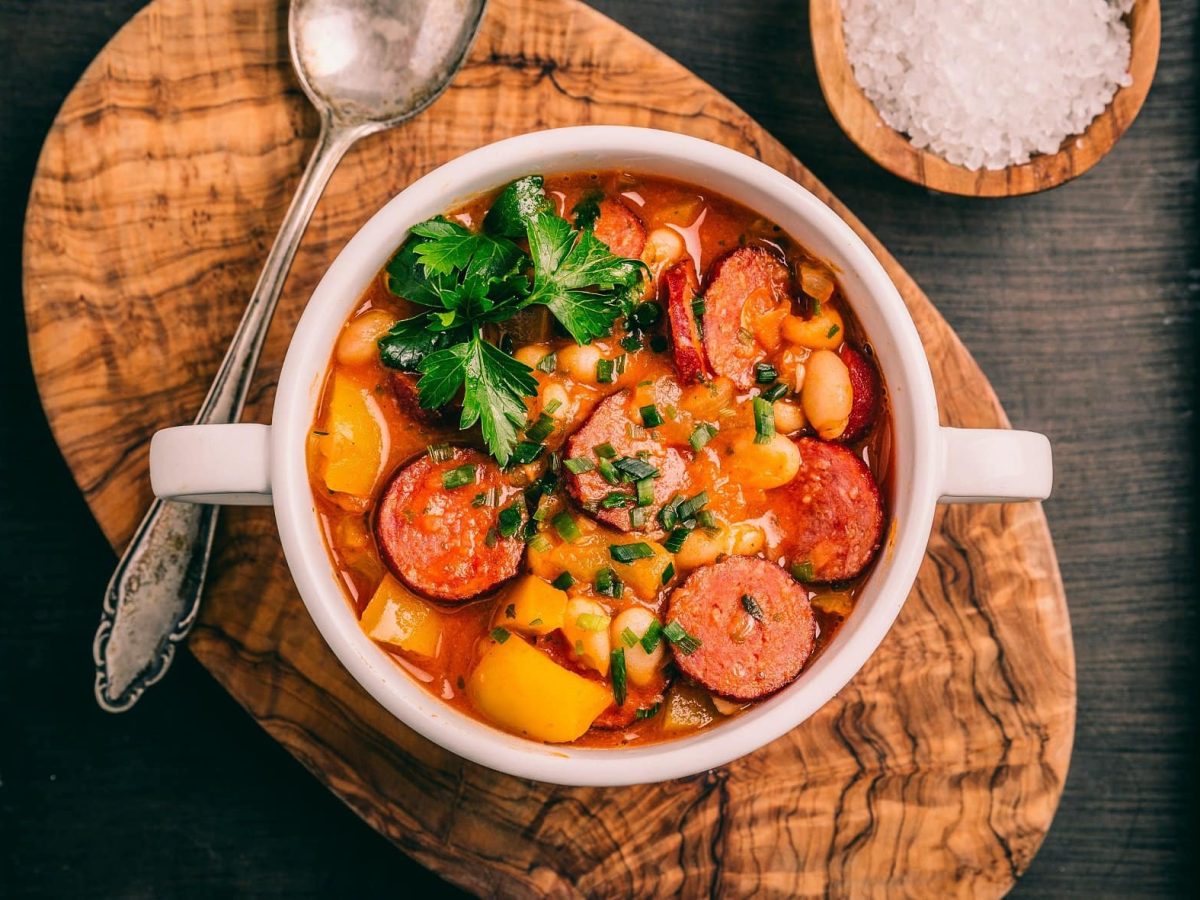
[994,465]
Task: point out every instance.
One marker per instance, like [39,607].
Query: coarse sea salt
[988,83]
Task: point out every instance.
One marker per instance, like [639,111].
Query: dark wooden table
[1080,305]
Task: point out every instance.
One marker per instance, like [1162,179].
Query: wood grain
[862,123]
[937,770]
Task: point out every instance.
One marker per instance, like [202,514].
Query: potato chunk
[536,606]
[396,617]
[354,444]
[524,691]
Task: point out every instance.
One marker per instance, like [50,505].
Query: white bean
[768,465]
[827,396]
[531,354]
[789,417]
[591,647]
[578,362]
[357,345]
[640,667]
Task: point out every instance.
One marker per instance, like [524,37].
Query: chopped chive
[764,373]
[833,329]
[539,544]
[680,639]
[548,363]
[579,648]
[524,453]
[608,584]
[674,541]
[631,343]
[537,621]
[775,391]
[555,461]
[628,637]
[751,606]
[635,469]
[540,511]
[651,417]
[668,516]
[615,500]
[499,635]
[617,671]
[607,472]
[552,407]
[649,640]
[509,520]
[668,573]
[530,532]
[701,435]
[619,364]
[648,713]
[439,452]
[627,553]
[816,306]
[540,430]
[578,465]
[645,491]
[659,343]
[637,518]
[563,581]
[605,450]
[803,572]
[458,477]
[688,510]
[764,421]
[604,371]
[566,527]
[592,622]
[706,519]
[698,307]
[479,499]
[646,314]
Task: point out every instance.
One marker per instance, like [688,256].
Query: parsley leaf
[576,276]
[409,341]
[494,387]
[587,210]
[519,202]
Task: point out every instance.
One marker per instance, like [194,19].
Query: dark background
[1080,304]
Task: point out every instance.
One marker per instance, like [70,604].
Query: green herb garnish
[751,606]
[566,527]
[651,417]
[627,553]
[458,477]
[499,635]
[803,572]
[577,465]
[616,670]
[563,581]
[764,373]
[680,639]
[764,421]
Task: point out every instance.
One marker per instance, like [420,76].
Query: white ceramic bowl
[266,464]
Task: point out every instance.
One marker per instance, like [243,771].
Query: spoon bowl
[861,121]
[379,62]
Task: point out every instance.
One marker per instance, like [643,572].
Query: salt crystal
[987,84]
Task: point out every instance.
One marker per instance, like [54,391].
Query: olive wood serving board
[936,771]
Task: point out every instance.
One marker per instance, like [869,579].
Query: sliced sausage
[636,698]
[679,286]
[620,228]
[865,393]
[754,623]
[613,422]
[404,389]
[436,539]
[830,514]
[742,285]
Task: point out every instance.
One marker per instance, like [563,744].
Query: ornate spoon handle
[154,595]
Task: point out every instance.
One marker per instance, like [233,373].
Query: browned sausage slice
[864,391]
[742,285]
[614,422]
[754,623]
[404,389]
[679,287]
[831,514]
[620,228]
[436,539]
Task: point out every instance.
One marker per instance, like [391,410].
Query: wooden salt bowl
[861,121]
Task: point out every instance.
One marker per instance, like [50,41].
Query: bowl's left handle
[994,465]
[224,464]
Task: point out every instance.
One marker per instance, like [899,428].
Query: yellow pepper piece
[524,691]
[536,606]
[590,553]
[396,617]
[687,709]
[354,446]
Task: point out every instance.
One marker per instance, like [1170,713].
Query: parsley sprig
[466,281]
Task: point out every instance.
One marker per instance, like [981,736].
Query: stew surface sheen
[788,522]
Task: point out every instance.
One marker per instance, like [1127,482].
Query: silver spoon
[366,65]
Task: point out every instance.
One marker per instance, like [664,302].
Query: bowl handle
[226,464]
[992,465]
